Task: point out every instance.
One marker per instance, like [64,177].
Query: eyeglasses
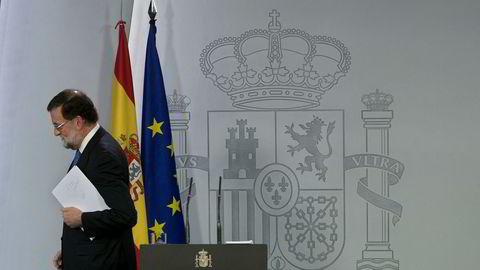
[59,126]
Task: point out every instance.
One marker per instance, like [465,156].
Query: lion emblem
[310,142]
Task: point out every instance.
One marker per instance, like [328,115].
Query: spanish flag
[124,129]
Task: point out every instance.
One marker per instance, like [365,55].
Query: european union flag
[164,214]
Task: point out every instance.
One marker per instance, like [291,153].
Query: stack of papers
[75,190]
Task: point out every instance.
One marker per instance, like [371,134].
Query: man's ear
[79,122]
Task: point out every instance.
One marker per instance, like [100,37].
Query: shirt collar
[88,138]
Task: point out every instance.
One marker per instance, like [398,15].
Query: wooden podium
[203,256]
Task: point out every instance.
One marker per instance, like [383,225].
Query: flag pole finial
[152,10]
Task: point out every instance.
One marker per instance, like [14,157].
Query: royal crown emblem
[377,101]
[177,103]
[203,259]
[275,68]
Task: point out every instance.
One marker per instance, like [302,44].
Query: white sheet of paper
[75,190]
[247,242]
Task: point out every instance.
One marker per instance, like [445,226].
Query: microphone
[219,223]
[187,220]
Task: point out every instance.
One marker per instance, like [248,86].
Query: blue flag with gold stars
[164,215]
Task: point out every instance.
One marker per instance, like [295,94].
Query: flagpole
[121,10]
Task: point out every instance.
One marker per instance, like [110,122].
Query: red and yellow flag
[124,129]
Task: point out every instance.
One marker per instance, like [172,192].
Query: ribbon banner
[394,169]
[191,161]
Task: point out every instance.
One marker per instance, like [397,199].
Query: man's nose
[56,132]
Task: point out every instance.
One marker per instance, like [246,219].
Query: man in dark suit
[100,239]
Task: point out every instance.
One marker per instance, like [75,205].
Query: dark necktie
[75,159]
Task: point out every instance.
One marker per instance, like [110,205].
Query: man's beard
[68,145]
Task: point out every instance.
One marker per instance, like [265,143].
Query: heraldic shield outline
[283,183]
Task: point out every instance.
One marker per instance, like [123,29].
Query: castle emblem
[203,259]
[241,152]
[275,68]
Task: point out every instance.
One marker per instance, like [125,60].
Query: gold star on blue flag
[164,215]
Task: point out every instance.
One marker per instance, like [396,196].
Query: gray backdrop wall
[45,46]
[417,153]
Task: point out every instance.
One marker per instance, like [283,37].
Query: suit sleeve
[109,178]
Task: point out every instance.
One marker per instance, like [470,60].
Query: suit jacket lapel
[83,161]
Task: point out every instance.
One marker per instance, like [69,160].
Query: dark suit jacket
[105,165]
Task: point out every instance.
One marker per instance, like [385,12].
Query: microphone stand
[219,223]
[187,214]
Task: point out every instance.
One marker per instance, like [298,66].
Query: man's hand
[57,260]
[72,217]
